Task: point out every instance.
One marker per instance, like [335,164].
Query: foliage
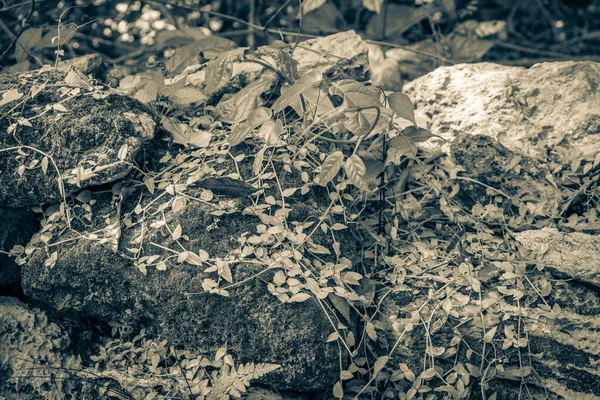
[364,148]
[147,369]
[32,354]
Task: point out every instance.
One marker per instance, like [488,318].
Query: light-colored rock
[571,255]
[548,106]
[343,51]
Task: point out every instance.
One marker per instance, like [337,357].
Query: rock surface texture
[96,276]
[548,106]
[558,345]
[17,226]
[64,135]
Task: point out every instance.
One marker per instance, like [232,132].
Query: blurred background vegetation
[142,33]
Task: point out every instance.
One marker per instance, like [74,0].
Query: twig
[587,36]
[251,17]
[279,10]
[419,52]
[530,50]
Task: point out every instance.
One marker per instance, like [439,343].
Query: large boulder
[550,107]
[131,263]
[534,320]
[57,130]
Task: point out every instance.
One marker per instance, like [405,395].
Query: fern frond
[235,382]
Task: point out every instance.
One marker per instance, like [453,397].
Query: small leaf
[258,161]
[85,196]
[299,298]
[380,363]
[193,259]
[355,169]
[45,165]
[338,392]
[341,305]
[60,107]
[370,329]
[330,168]
[9,96]
[289,192]
[35,89]
[25,122]
[489,335]
[345,375]
[332,336]
[123,152]
[226,273]
[176,232]
[149,182]
[402,106]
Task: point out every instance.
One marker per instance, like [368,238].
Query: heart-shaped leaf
[402,106]
[220,70]
[330,168]
[400,146]
[355,169]
[290,93]
[239,106]
[418,135]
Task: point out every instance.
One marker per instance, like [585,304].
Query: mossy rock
[170,301]
[67,130]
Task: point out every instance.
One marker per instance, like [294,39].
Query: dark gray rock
[89,277]
[66,130]
[17,226]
